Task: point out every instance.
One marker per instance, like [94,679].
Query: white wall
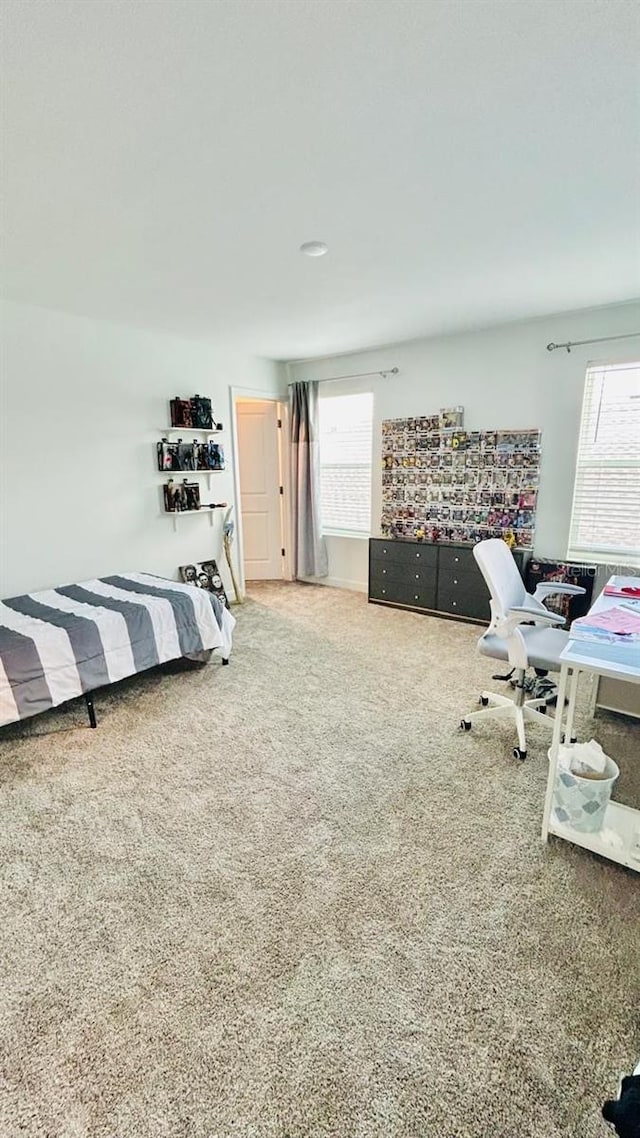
[504,377]
[81,407]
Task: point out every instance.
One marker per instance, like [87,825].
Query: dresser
[441,579]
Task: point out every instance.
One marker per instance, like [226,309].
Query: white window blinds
[605,519]
[346,423]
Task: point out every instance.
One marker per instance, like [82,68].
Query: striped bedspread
[60,643]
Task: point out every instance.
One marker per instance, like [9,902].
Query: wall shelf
[203,511]
[180,475]
[193,430]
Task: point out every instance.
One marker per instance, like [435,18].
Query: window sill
[616,561]
[346,533]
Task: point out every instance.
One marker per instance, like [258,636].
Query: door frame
[242,394]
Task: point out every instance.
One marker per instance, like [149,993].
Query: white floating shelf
[180,475]
[175,514]
[194,430]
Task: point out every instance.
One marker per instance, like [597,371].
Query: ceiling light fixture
[314,248]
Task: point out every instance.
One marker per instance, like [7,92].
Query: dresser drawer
[458,558]
[468,579]
[420,595]
[459,600]
[409,573]
[461,558]
[406,552]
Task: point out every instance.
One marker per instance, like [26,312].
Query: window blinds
[605,518]
[346,439]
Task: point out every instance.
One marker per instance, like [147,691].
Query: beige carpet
[286,899]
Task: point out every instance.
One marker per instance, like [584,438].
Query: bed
[62,643]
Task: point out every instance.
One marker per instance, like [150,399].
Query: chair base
[501,707]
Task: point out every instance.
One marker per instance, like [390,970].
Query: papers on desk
[627,587]
[619,625]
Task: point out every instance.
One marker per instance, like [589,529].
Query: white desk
[619,838]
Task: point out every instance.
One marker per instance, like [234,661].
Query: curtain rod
[578,343]
[355,375]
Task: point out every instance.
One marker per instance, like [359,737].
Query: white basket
[581,802]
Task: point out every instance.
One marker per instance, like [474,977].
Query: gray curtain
[309,548]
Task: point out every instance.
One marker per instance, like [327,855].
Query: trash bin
[580,800]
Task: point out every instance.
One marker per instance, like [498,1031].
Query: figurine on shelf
[186,455]
[173,493]
[436,534]
[509,538]
[201,412]
[419,534]
[181,415]
[215,456]
[168,456]
[191,495]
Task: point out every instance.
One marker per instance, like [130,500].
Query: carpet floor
[288,899]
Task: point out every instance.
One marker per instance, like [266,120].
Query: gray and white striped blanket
[60,643]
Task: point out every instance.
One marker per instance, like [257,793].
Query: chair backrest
[500,572]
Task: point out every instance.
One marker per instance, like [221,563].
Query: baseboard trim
[339,583]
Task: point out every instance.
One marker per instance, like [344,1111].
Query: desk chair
[521,631]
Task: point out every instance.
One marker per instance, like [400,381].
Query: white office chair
[521,631]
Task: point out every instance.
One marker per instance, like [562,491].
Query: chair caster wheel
[483,701]
[543,709]
[518,754]
[573,739]
[465,725]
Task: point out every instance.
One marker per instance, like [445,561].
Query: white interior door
[260,499]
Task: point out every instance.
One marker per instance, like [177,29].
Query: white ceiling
[467,161]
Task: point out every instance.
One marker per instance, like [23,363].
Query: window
[345,463]
[605,519]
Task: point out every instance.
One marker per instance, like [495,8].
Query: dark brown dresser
[442,579]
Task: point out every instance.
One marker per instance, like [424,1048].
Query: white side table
[619,838]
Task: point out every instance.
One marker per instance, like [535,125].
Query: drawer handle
[417,576]
[384,570]
[383,591]
[456,559]
[455,603]
[416,596]
[384,549]
[417,554]
[455,580]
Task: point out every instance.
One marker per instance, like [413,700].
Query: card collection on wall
[447,484]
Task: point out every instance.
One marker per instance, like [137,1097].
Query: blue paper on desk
[616,625]
[626,657]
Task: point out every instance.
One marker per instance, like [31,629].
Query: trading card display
[460,485]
